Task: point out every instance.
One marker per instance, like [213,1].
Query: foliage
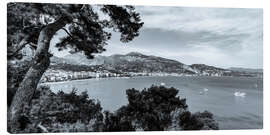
[118,121]
[35,24]
[150,109]
[87,32]
[15,75]
[197,121]
[59,111]
[154,109]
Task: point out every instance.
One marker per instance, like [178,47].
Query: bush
[156,109]
[117,122]
[197,121]
[68,109]
[149,109]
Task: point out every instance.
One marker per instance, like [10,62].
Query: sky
[222,37]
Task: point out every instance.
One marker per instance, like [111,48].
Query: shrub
[207,119]
[117,122]
[156,109]
[149,109]
[197,121]
[69,109]
[189,121]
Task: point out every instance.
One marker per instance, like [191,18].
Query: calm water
[231,112]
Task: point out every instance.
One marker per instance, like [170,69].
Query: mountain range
[137,62]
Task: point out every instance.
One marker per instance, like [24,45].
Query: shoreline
[105,78]
[75,80]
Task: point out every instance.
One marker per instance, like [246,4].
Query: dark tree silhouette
[36,24]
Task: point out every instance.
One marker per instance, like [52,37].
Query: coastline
[106,78]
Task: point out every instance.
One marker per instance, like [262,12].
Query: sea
[214,94]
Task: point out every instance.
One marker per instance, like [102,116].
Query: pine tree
[88,29]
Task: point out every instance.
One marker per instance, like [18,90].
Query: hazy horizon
[221,37]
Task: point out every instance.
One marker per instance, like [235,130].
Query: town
[58,75]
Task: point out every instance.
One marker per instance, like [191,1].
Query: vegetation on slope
[154,109]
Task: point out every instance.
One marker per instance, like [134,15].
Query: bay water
[214,94]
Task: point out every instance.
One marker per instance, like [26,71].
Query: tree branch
[42,128]
[33,45]
[19,47]
[67,32]
[83,6]
[11,4]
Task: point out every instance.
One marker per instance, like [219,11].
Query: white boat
[239,94]
[205,89]
[162,84]
[201,93]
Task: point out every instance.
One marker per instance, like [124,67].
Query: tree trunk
[29,84]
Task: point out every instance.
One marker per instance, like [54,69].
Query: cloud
[216,36]
[221,37]
[201,19]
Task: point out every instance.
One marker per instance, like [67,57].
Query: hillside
[138,63]
[250,70]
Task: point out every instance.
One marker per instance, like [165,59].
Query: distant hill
[246,70]
[80,59]
[57,60]
[204,69]
[138,62]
